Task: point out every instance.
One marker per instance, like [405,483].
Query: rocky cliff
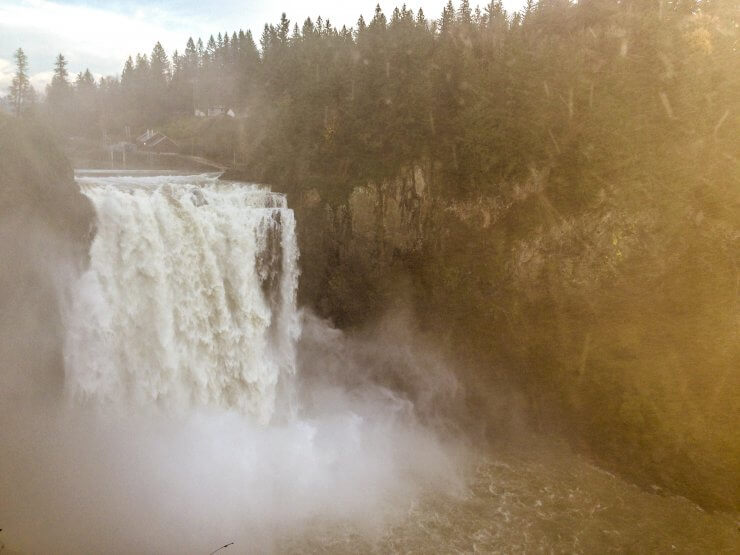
[45,227]
[614,325]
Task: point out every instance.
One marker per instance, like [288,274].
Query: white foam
[190,298]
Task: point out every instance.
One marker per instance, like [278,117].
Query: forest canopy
[487,96]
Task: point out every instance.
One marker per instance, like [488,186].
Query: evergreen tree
[127,76]
[361,25]
[379,19]
[283,29]
[211,48]
[58,91]
[191,62]
[20,93]
[266,40]
[447,20]
[421,18]
[86,105]
[465,16]
[160,69]
[61,74]
[85,80]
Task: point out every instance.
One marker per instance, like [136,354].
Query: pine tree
[141,69]
[160,69]
[20,88]
[379,19]
[283,29]
[211,48]
[361,25]
[127,75]
[266,39]
[57,93]
[421,18]
[191,59]
[308,28]
[465,15]
[448,18]
[247,66]
[85,104]
[85,80]
[529,8]
[177,64]
[60,72]
[249,47]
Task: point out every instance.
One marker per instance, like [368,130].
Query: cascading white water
[190,297]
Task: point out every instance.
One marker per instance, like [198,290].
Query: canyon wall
[615,326]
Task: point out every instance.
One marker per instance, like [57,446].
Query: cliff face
[45,227]
[614,325]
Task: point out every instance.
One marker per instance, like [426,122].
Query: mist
[85,480]
[367,432]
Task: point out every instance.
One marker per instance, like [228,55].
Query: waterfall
[189,299]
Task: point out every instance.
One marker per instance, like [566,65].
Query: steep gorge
[614,326]
[546,319]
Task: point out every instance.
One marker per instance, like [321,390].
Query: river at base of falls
[541,498]
[537,499]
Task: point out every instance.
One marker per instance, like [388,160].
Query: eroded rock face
[45,228]
[617,321]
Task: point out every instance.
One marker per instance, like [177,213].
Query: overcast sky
[100,34]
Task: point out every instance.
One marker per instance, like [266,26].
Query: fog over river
[202,406]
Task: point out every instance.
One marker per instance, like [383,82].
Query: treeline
[151,90]
[578,90]
[487,96]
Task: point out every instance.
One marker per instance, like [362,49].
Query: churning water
[190,299]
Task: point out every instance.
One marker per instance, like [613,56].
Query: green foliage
[21,95]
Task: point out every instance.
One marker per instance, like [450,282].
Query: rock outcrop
[613,325]
[45,229]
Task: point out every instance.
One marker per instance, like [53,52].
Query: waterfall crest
[190,297]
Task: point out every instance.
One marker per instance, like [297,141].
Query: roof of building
[152,138]
[158,139]
[146,136]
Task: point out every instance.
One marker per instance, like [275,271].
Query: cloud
[100,39]
[6,74]
[40,80]
[90,31]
